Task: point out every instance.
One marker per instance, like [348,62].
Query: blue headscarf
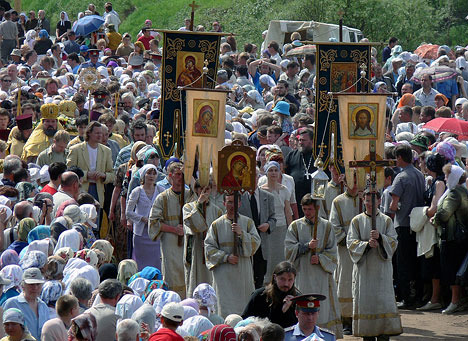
[43,34]
[150,273]
[38,233]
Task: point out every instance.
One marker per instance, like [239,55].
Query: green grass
[246,19]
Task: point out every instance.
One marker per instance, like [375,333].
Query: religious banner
[185,54]
[362,126]
[206,118]
[337,70]
[236,169]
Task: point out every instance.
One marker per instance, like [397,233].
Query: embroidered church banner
[362,119]
[337,69]
[184,56]
[206,118]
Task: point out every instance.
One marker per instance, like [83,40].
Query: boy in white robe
[375,314]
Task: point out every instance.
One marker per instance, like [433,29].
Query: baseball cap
[33,276]
[84,48]
[173,311]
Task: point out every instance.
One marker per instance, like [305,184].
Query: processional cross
[192,15]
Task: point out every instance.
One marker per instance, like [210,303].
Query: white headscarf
[90,211]
[88,272]
[196,325]
[65,18]
[14,273]
[452,181]
[127,305]
[139,285]
[70,238]
[146,314]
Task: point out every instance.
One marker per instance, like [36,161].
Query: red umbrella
[430,51]
[449,125]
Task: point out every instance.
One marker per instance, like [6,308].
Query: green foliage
[412,21]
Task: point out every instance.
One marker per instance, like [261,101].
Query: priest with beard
[300,164]
[43,135]
[274,300]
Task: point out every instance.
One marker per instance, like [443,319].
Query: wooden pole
[236,241]
[180,239]
[314,234]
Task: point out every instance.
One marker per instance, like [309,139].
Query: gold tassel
[18,106]
[117,98]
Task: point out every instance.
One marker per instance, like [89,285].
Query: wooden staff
[180,239]
[314,235]
[235,252]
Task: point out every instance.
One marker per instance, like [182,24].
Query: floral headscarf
[153,295]
[25,190]
[51,292]
[153,285]
[8,257]
[105,246]
[38,233]
[33,259]
[127,268]
[86,325]
[447,150]
[89,256]
[25,226]
[205,296]
[65,253]
[55,267]
[223,332]
[15,274]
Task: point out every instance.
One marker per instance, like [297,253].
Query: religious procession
[174,185]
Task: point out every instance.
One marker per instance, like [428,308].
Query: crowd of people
[102,239]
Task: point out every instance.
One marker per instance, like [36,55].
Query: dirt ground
[418,326]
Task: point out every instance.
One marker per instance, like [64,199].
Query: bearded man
[274,300]
[43,135]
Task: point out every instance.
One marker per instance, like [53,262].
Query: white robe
[344,209]
[166,209]
[333,190]
[195,226]
[317,278]
[374,306]
[233,283]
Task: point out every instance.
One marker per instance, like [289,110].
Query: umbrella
[301,51]
[429,51]
[449,125]
[439,73]
[88,24]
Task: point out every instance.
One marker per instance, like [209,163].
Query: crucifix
[372,163]
[167,136]
[192,15]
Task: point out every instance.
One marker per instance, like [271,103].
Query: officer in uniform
[93,60]
[307,310]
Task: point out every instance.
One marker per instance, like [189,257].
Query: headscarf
[153,295]
[8,257]
[270,164]
[196,325]
[33,259]
[105,246]
[232,319]
[452,181]
[64,252]
[74,213]
[127,305]
[24,190]
[190,302]
[148,272]
[139,285]
[70,238]
[107,271]
[135,148]
[89,256]
[43,34]
[82,229]
[267,79]
[72,265]
[147,315]
[55,267]
[378,85]
[447,150]
[142,171]
[65,18]
[405,100]
[153,285]
[255,95]
[51,292]
[15,274]
[165,298]
[127,268]
[58,226]
[38,233]
[222,332]
[87,325]
[90,211]
[89,272]
[206,296]
[25,226]
[43,245]
[189,312]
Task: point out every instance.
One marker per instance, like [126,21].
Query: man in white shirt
[426,95]
[273,49]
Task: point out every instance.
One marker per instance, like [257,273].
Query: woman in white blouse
[145,251]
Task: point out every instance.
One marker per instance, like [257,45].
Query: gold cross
[192,15]
[167,136]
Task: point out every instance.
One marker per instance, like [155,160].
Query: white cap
[173,311]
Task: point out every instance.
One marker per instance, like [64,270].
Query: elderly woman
[83,328]
[25,226]
[450,215]
[14,274]
[15,326]
[145,251]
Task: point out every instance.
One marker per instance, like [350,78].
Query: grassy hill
[246,19]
